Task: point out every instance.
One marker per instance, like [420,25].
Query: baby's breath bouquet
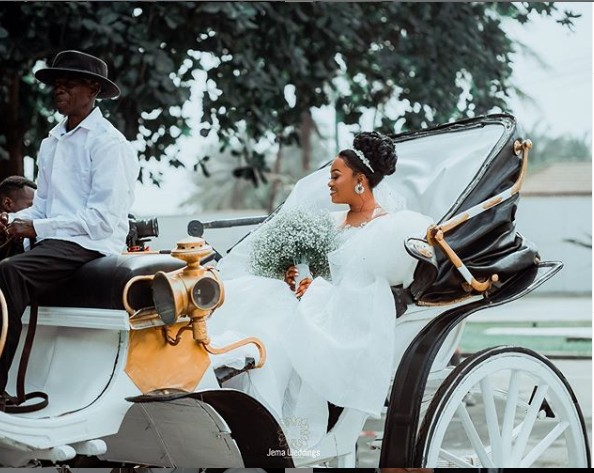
[294,237]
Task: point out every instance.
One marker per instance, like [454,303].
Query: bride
[327,341]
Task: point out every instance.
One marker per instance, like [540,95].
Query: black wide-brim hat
[80,64]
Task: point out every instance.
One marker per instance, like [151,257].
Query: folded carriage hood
[488,243]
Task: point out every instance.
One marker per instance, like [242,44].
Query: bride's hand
[290,274]
[303,286]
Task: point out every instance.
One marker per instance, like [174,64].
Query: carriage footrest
[159,395]
[225,373]
[376,443]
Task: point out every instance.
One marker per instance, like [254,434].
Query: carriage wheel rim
[507,444]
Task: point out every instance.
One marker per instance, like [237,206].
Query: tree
[145,45]
[214,190]
[442,60]
[445,60]
[551,149]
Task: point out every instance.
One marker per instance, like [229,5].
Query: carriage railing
[196,227]
[436,233]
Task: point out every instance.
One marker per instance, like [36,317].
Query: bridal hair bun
[379,150]
[372,154]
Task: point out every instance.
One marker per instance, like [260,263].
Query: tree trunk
[305,132]
[277,181]
[12,128]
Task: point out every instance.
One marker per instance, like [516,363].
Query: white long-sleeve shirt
[85,186]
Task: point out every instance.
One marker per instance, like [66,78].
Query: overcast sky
[562,94]
[564,91]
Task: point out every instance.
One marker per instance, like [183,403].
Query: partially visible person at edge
[16,193]
[87,175]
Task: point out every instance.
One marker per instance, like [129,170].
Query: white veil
[310,192]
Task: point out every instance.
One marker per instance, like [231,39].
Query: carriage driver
[87,175]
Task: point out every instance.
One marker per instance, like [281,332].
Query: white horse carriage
[123,356]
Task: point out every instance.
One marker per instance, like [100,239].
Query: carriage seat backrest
[100,283]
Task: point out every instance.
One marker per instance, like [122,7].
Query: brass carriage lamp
[195,290]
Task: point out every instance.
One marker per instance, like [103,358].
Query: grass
[474,339]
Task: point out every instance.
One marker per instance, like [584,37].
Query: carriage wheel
[504,407]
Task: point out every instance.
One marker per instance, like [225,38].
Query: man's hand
[21,228]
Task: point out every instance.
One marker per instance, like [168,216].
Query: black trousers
[25,276]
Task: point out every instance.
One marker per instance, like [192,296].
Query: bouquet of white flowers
[299,236]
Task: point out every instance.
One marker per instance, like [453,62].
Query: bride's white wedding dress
[334,345]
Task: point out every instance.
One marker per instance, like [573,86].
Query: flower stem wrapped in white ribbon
[293,237]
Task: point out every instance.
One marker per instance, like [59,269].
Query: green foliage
[552,149]
[215,190]
[443,61]
[145,45]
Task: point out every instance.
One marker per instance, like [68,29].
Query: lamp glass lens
[206,293]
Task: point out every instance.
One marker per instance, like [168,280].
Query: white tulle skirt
[336,345]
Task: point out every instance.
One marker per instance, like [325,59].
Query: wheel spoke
[473,436]
[454,459]
[510,429]
[545,443]
[510,412]
[528,423]
[492,421]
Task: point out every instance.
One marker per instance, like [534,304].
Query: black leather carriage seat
[100,283]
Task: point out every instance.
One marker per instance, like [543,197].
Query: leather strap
[22,396]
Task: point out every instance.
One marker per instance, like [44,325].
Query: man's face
[73,95]
[21,199]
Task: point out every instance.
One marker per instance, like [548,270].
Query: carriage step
[225,373]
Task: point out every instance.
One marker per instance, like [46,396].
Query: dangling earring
[359,189]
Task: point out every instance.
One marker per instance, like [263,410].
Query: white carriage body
[79,355]
[88,413]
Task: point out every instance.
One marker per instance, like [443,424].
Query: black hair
[379,150]
[12,184]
